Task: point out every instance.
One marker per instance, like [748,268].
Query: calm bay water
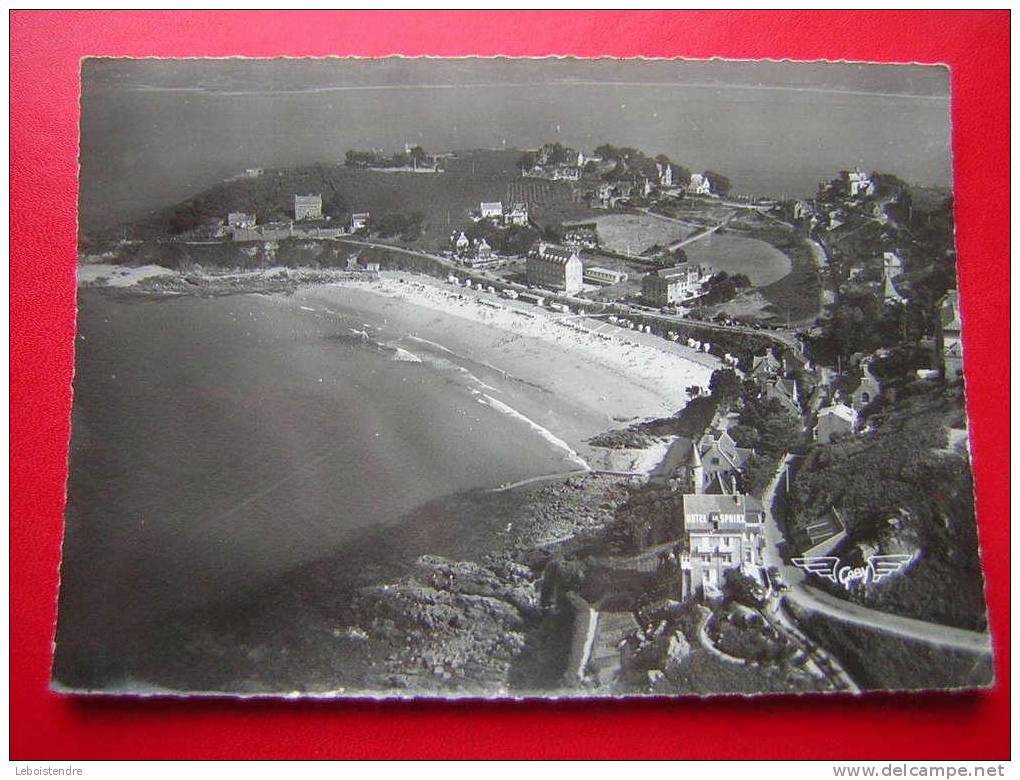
[220,442]
[146,147]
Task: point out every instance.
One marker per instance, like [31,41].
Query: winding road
[804,595]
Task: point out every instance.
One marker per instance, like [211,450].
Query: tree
[418,156]
[618,172]
[681,173]
[607,152]
[408,226]
[527,161]
[334,205]
[719,183]
[678,256]
[743,589]
[725,386]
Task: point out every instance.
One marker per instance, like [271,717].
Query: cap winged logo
[877,568]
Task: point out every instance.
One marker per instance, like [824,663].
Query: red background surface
[45,52]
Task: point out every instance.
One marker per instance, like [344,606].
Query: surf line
[545,433]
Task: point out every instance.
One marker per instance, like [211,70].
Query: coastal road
[827,288]
[804,595]
[844,611]
[413,252]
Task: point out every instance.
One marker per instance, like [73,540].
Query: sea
[220,442]
[146,147]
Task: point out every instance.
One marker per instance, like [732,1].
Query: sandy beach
[554,371]
[564,377]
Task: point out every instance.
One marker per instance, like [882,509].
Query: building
[667,286]
[555,267]
[699,185]
[460,243]
[492,210]
[784,391]
[566,173]
[950,338]
[721,460]
[605,276]
[868,389]
[482,249]
[307,207]
[665,174]
[892,267]
[240,219]
[833,421]
[536,300]
[802,210]
[485,259]
[602,196]
[359,221]
[766,366]
[723,533]
[581,238]
[516,214]
[857,183]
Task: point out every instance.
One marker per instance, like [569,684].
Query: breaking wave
[545,433]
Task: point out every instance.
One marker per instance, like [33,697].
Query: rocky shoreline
[475,627]
[209,284]
[431,607]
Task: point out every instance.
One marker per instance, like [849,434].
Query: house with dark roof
[784,391]
[766,366]
[460,242]
[555,267]
[721,458]
[482,249]
[516,214]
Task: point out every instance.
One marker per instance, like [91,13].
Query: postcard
[511,378]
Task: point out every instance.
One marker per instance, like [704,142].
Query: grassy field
[634,233]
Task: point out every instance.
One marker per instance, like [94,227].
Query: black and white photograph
[516,378]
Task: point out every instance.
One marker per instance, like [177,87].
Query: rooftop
[839,410]
[706,504]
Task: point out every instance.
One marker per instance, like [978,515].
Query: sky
[155,131]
